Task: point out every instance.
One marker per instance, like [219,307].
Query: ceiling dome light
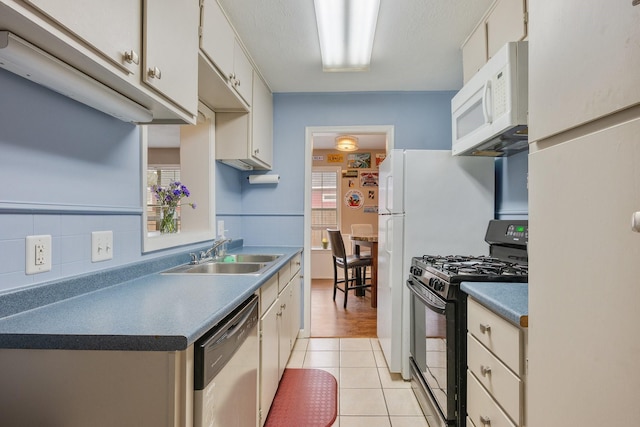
[346,143]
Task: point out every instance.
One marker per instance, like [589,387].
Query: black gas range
[442,273]
[438,313]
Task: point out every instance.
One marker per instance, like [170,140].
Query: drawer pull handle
[485,328]
[486,421]
[485,370]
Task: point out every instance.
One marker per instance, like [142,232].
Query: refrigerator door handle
[387,194]
[387,246]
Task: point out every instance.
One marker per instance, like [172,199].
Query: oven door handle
[435,304]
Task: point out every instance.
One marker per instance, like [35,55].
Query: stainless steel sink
[253,268]
[251,258]
[227,268]
[253,264]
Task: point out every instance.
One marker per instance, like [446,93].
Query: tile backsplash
[71,244]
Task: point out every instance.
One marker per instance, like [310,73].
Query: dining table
[370,241]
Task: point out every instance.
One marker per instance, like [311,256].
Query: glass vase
[168,220]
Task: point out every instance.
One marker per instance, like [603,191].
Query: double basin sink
[253,264]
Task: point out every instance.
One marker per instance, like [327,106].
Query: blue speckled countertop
[152,312]
[510,300]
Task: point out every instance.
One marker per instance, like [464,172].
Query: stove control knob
[438,285]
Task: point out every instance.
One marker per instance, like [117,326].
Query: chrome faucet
[215,249]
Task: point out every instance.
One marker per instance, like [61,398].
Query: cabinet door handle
[155,73]
[485,328]
[485,370]
[132,57]
[486,421]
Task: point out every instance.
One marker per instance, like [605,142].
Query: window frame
[197,167]
[338,172]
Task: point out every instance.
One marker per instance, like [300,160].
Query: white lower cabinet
[269,360]
[279,326]
[482,409]
[79,388]
[496,355]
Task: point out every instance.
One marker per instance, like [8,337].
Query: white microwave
[489,114]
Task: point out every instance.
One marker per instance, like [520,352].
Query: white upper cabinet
[144,50]
[88,20]
[218,38]
[474,52]
[584,60]
[505,21]
[220,48]
[262,122]
[171,50]
[242,73]
[245,140]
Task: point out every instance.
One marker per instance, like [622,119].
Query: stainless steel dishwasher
[226,371]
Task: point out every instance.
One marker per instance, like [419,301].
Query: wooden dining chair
[353,264]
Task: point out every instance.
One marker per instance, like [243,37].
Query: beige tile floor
[368,394]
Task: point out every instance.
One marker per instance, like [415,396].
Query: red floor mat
[305,398]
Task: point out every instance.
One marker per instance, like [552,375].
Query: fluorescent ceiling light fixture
[346,29]
[28,61]
[346,143]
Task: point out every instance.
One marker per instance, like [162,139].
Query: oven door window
[433,348]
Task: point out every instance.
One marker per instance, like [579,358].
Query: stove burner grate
[474,265]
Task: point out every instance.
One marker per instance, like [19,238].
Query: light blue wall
[68,170]
[275,213]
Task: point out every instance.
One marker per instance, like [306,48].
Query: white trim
[308,165]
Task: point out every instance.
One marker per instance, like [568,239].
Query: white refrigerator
[429,203]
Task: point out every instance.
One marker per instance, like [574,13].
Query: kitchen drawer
[501,337]
[481,408]
[268,293]
[284,276]
[500,381]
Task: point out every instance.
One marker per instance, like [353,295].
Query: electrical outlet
[101,246]
[38,254]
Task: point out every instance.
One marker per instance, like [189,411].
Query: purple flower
[171,195]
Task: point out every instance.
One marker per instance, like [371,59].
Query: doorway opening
[323,317]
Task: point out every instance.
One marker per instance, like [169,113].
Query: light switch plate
[101,246]
[38,254]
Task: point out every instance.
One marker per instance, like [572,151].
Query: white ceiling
[416,46]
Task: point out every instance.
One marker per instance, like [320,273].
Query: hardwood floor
[330,320]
